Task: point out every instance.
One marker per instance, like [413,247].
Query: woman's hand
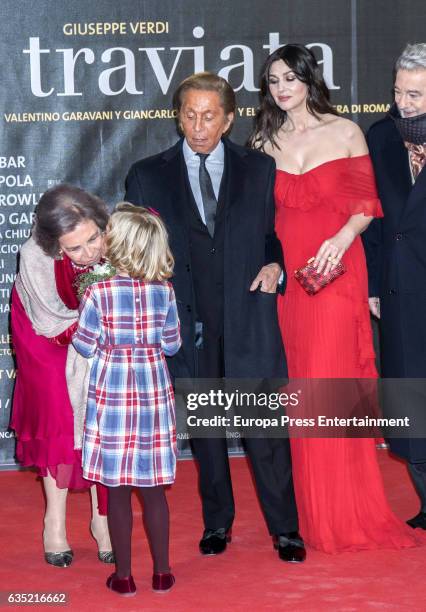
[332,250]
[374,304]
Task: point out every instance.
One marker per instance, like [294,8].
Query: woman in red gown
[325,197]
[66,240]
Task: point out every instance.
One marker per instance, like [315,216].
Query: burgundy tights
[156,520]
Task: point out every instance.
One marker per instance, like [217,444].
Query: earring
[60,255]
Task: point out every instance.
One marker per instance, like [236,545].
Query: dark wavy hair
[60,210]
[269,117]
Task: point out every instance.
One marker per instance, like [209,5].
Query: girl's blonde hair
[137,243]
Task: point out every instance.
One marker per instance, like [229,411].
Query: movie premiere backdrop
[86,90]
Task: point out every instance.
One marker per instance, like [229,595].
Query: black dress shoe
[214,542]
[418,521]
[290,547]
[59,559]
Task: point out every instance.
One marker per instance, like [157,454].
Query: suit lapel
[417,195]
[232,186]
[175,177]
[179,189]
[190,195]
[396,159]
[222,198]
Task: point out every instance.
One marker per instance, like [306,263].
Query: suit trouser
[270,460]
[418,474]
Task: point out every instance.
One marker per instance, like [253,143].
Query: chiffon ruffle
[350,188]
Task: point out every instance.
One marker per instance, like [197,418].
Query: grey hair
[412,58]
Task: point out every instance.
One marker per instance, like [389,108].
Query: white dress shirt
[214,163]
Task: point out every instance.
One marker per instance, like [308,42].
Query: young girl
[128,323]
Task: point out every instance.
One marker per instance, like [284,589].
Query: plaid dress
[128,325]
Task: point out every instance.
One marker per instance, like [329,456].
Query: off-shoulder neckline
[330,161]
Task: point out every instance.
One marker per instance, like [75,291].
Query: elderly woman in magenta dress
[50,392]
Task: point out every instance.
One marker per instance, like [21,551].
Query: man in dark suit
[396,252]
[216,199]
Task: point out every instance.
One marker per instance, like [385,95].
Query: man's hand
[374,303]
[267,279]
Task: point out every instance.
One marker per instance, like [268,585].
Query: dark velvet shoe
[161,583]
[418,521]
[123,586]
[106,556]
[59,559]
[214,542]
[290,547]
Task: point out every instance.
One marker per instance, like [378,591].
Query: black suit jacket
[396,245]
[396,258]
[252,340]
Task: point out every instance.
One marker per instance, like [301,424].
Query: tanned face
[203,119]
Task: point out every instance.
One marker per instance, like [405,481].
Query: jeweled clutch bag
[312,281]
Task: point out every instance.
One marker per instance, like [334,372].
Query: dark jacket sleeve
[372,237]
[372,240]
[273,249]
[133,186]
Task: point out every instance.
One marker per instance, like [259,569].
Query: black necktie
[207,193]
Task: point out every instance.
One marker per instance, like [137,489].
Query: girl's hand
[332,250]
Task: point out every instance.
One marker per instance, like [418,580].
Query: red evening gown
[339,490]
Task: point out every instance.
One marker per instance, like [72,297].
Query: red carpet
[249,576]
